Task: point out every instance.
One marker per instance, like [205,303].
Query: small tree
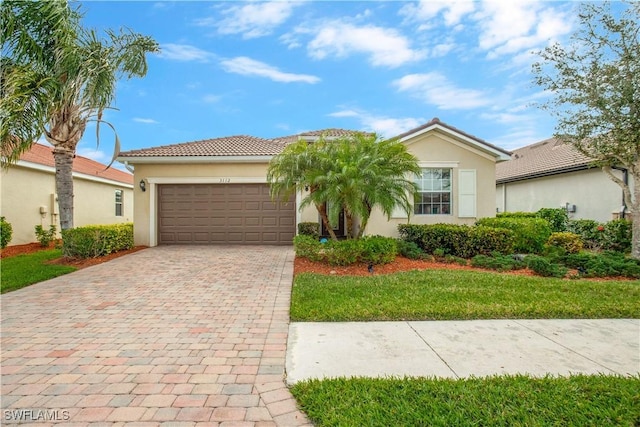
[595,87]
[56,77]
[353,175]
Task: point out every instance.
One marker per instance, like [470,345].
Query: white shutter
[467,193]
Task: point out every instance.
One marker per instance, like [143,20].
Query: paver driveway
[165,336]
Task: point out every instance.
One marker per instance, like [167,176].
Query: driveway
[165,336]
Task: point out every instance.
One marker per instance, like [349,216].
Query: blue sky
[271,69]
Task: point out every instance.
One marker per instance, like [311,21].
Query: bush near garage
[96,240]
[530,234]
[369,249]
[558,218]
[6,231]
[309,229]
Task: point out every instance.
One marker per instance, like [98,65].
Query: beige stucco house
[215,191]
[550,174]
[28,194]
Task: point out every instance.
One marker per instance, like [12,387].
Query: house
[550,174]
[28,194]
[215,190]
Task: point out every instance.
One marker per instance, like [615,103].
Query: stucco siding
[438,148]
[594,194]
[26,190]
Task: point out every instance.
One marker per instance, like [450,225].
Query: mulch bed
[28,248]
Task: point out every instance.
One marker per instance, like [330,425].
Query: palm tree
[56,77]
[351,175]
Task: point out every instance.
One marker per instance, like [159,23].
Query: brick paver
[165,336]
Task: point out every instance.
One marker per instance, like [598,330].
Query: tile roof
[239,145]
[43,155]
[547,157]
[437,121]
[327,133]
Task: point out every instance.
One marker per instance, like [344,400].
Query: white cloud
[253,19]
[251,67]
[146,121]
[384,46]
[387,127]
[434,88]
[507,28]
[211,98]
[93,154]
[426,10]
[184,52]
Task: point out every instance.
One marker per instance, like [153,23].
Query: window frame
[433,192]
[119,204]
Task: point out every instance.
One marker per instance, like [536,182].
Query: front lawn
[457,295]
[579,400]
[23,270]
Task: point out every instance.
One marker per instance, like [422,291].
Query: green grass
[24,270]
[579,400]
[451,295]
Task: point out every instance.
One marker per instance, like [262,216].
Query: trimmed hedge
[571,243]
[370,249]
[6,231]
[530,234]
[309,229]
[96,240]
[457,240]
[558,218]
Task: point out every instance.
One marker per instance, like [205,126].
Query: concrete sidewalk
[457,349]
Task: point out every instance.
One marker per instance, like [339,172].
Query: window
[118,202]
[434,192]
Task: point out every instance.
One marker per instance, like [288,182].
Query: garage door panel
[223,213]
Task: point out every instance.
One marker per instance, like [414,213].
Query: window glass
[434,192]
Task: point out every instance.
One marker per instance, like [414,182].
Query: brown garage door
[223,213]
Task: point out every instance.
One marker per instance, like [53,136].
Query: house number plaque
[225,180]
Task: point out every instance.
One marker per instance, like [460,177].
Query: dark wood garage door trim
[222,213]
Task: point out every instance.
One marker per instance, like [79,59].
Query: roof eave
[500,155]
[543,174]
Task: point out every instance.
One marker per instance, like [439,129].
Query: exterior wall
[438,147]
[145,212]
[594,194]
[25,190]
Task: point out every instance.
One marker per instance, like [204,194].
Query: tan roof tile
[239,145]
[43,155]
[542,158]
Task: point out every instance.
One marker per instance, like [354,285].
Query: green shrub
[342,252]
[409,249]
[605,264]
[6,231]
[530,234]
[45,237]
[96,240]
[571,243]
[452,259]
[588,230]
[616,236]
[439,253]
[543,267]
[487,240]
[516,215]
[557,218]
[308,247]
[378,249]
[457,240]
[309,229]
[497,261]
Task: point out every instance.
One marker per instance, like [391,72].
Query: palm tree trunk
[64,185]
[322,209]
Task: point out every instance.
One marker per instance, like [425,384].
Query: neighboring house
[215,190]
[550,174]
[28,194]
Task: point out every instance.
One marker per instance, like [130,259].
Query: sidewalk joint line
[433,349]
